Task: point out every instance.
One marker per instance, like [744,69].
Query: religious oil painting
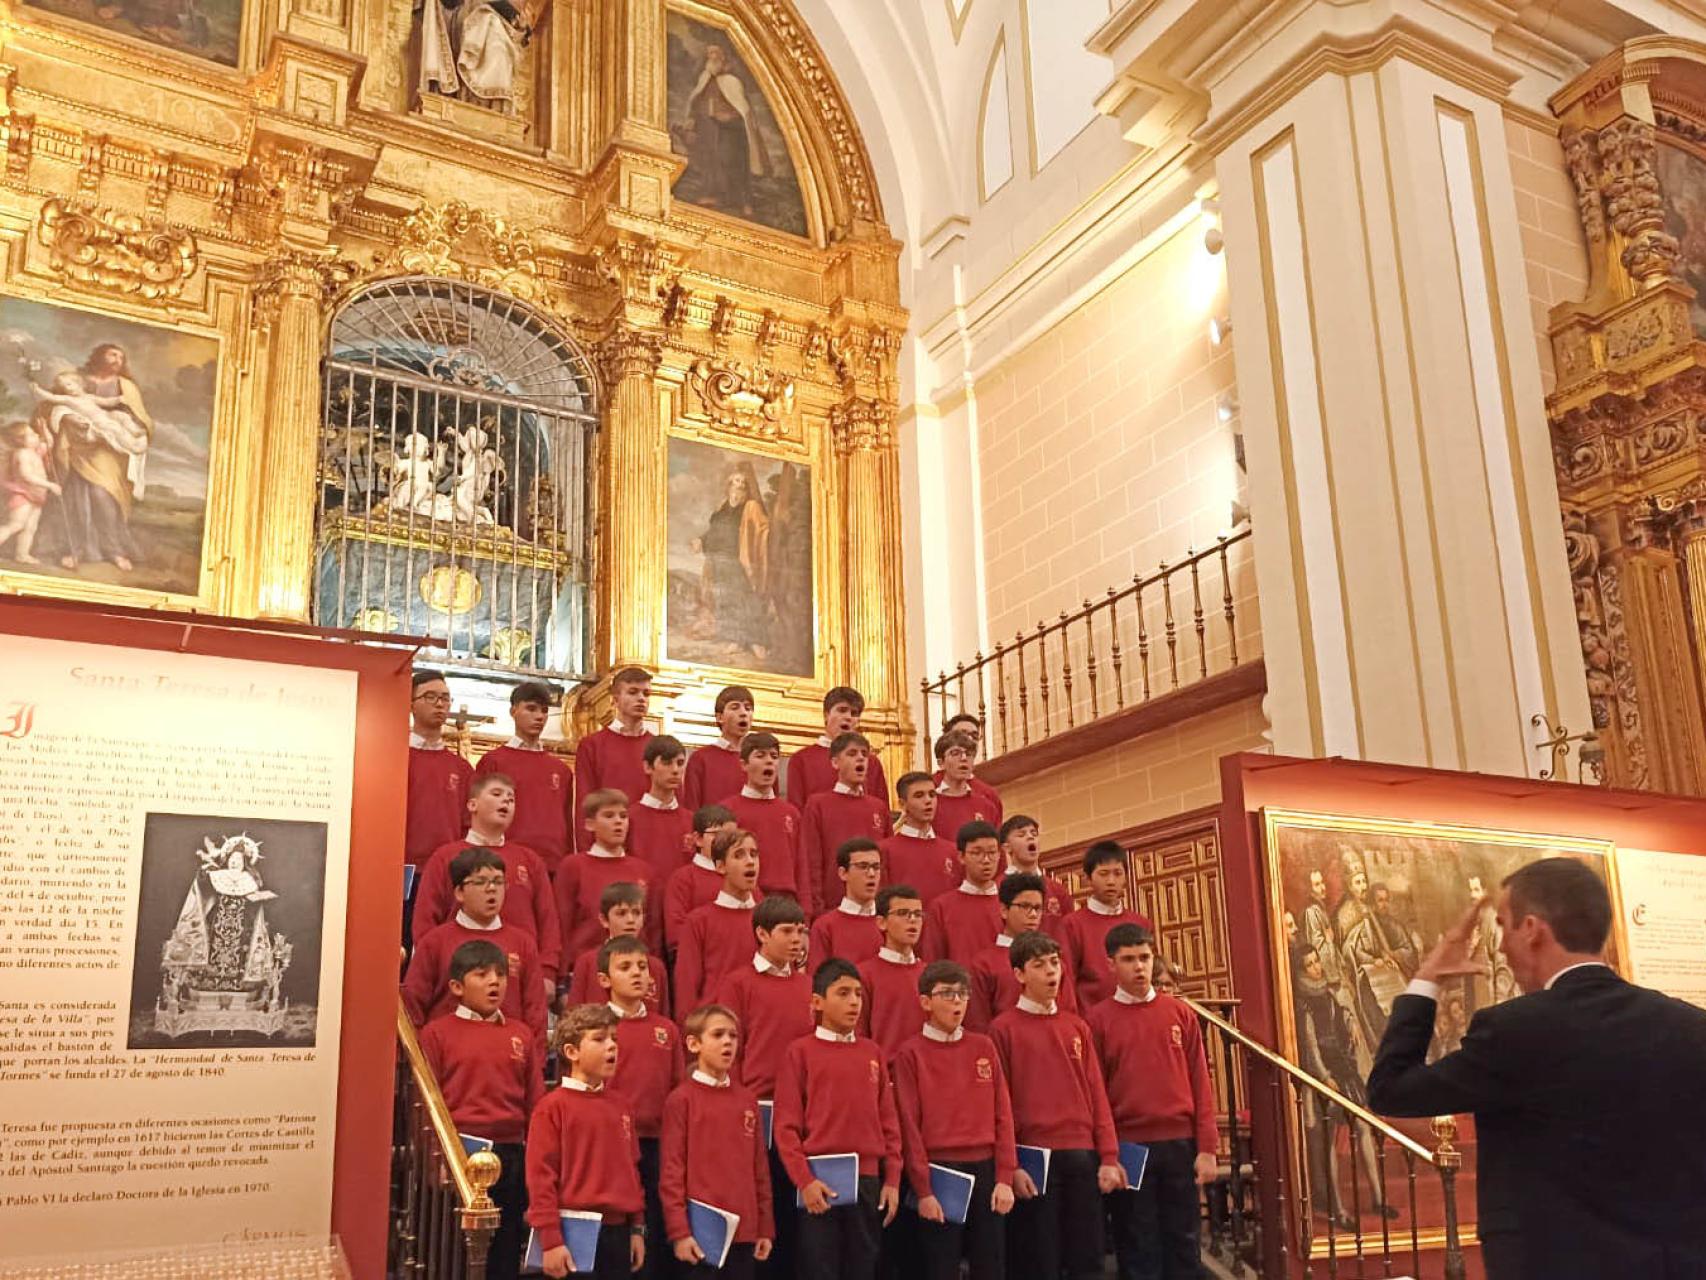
[740,560]
[228,932]
[205,28]
[721,121]
[1682,180]
[1356,904]
[105,431]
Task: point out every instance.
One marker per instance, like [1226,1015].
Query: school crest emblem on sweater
[522,876]
[985,1071]
[1078,1048]
[515,962]
[876,1071]
[749,1122]
[517,1049]
[556,782]
[1178,1036]
[661,1035]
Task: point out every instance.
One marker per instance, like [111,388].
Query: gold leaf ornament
[101,248]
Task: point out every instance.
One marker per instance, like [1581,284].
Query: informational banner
[1664,920]
[174,849]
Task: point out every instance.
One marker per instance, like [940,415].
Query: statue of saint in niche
[470,49]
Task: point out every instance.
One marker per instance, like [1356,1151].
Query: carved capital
[754,400]
[298,275]
[1628,157]
[629,353]
[860,425]
[637,266]
[103,249]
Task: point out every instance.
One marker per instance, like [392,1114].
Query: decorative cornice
[460,242]
[862,425]
[112,252]
[626,353]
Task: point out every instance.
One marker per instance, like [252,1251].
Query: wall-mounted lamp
[1226,408]
[1219,330]
[1213,239]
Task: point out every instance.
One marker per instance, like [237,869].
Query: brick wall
[1552,240]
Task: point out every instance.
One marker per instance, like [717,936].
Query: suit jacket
[1590,1123]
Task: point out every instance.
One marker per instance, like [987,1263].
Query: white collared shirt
[1122,996]
[987,891]
[468,922]
[703,863]
[753,793]
[835,1037]
[726,745]
[933,1032]
[649,801]
[1028,1005]
[1101,909]
[638,731]
[842,789]
[706,1078]
[1014,869]
[618,1011]
[474,837]
[600,851]
[420,743]
[917,833]
[580,1086]
[895,957]
[726,899]
[1580,964]
[1003,939]
[942,790]
[848,907]
[762,964]
[463,1011]
[516,742]
[824,740]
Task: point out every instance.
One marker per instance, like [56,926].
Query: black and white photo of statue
[228,934]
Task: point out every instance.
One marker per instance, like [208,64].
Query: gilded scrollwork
[103,249]
[741,397]
[1628,152]
[460,242]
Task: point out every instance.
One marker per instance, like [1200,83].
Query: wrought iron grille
[455,480]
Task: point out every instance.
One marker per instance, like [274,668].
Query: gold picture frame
[1417,861]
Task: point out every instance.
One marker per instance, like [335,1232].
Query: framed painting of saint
[105,434]
[1355,904]
[722,122]
[210,29]
[740,561]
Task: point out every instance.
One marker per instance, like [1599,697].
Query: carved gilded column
[633,482]
[863,431]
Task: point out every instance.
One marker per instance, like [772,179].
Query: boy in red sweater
[1151,1052]
[613,756]
[1084,933]
[581,1152]
[622,912]
[1059,1104]
[972,727]
[958,925]
[954,1111]
[529,903]
[774,821]
[845,812]
[809,768]
[713,1151]
[850,930]
[1022,844]
[914,854]
[477,879]
[660,827]
[544,785]
[492,1074]
[717,938]
[890,1012]
[833,1095]
[957,801]
[692,886]
[648,1066]
[582,878]
[438,776]
[994,985]
[714,771]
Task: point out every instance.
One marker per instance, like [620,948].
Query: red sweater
[581,1154]
[609,759]
[688,889]
[581,881]
[978,785]
[781,859]
[712,771]
[584,988]
[959,925]
[437,802]
[953,812]
[544,800]
[930,866]
[426,985]
[490,1073]
[1057,903]
[716,940]
[1152,1058]
[831,818]
[649,1063]
[773,1013]
[891,1014]
[529,903]
[835,933]
[995,988]
[1083,940]
[953,1105]
[811,771]
[1058,1098]
[663,837]
[833,1097]
[713,1150]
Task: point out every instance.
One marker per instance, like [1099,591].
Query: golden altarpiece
[563,330]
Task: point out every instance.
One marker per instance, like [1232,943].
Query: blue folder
[840,1173]
[1134,1158]
[713,1231]
[1034,1161]
[767,1118]
[472,1145]
[409,874]
[952,1189]
[580,1235]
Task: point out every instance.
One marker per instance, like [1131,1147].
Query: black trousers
[509,1193]
[738,1266]
[1060,1232]
[611,1261]
[660,1258]
[841,1244]
[780,1264]
[980,1240]
[1158,1228]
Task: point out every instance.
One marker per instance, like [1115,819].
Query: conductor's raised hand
[1450,955]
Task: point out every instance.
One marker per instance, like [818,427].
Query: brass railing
[1164,631]
[1303,1113]
[442,1215]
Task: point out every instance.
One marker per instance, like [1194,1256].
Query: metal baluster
[1042,664]
[977,665]
[1114,631]
[1090,654]
[1351,1123]
[942,695]
[1226,601]
[1279,1084]
[1172,627]
[1066,667]
[1327,1163]
[1415,1229]
[1142,637]
[959,687]
[1236,1181]
[1449,1160]
[1001,692]
[1024,697]
[924,696]
[1385,1222]
[1196,609]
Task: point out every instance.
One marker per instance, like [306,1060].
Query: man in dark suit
[1589,1093]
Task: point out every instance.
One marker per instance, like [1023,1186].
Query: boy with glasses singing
[438,776]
